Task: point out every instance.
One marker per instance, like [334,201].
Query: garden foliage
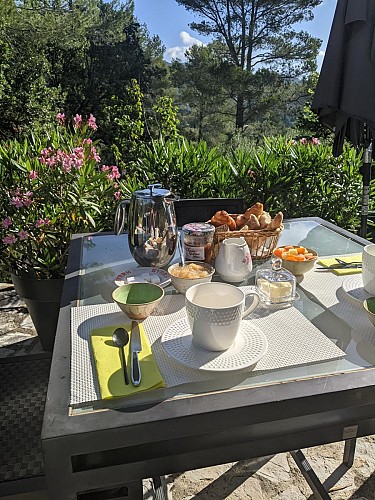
[300,178]
[53,186]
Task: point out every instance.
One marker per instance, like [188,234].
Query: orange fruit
[291,257]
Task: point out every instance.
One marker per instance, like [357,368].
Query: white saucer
[164,278]
[249,347]
[353,286]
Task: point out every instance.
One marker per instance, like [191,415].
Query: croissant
[255,209]
[241,221]
[276,221]
[253,222]
[264,220]
[222,217]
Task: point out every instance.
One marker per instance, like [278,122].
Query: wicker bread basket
[261,242]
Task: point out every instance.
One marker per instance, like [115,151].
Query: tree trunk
[200,124]
[240,112]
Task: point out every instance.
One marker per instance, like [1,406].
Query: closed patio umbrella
[344,99]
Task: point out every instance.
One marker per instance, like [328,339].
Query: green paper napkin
[347,258]
[108,364]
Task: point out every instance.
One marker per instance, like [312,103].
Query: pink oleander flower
[10,239]
[79,152]
[117,195]
[17,201]
[113,172]
[47,157]
[50,162]
[27,198]
[20,199]
[61,118]
[77,121]
[91,122]
[315,141]
[22,235]
[303,140]
[93,155]
[33,174]
[42,222]
[7,222]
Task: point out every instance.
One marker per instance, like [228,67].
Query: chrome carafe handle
[120,216]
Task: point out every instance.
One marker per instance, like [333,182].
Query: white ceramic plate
[249,347]
[164,278]
[353,286]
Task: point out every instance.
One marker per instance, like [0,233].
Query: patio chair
[202,209]
[24,381]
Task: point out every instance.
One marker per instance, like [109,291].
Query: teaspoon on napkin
[121,338]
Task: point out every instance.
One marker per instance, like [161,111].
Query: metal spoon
[121,337]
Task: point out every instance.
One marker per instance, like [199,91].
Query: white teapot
[234,263]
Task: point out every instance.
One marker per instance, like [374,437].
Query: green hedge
[299,178]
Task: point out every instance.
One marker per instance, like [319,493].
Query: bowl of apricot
[296,258]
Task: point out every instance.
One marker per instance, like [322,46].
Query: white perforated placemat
[292,341]
[327,288]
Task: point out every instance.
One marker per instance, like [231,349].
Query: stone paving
[267,478]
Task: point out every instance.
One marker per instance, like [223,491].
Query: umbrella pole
[366,174]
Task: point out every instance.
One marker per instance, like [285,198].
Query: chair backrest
[202,209]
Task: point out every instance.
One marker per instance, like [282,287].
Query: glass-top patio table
[323,391]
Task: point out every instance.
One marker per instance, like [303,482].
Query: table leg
[159,489]
[310,476]
[349,452]
[319,489]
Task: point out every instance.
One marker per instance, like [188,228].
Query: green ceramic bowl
[138,300]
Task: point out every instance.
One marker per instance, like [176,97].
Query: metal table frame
[112,450]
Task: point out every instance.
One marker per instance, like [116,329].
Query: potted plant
[53,186]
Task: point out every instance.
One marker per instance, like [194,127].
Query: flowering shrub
[52,187]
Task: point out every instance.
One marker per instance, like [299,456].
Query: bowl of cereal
[191,273]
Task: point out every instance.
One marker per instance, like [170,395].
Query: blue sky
[171,22]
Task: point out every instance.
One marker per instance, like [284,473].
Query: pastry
[222,217]
[241,221]
[264,220]
[253,222]
[276,222]
[255,209]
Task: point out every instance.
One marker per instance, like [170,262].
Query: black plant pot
[42,299]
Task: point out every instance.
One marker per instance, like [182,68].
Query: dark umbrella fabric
[344,99]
